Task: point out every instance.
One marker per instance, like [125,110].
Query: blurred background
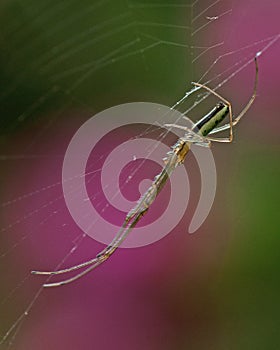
[61,62]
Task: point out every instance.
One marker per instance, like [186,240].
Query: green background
[60,63]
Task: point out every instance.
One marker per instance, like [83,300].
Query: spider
[207,125]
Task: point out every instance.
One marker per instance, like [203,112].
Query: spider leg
[105,254]
[129,223]
[217,139]
[73,268]
[69,280]
[91,261]
[191,136]
[245,109]
[131,220]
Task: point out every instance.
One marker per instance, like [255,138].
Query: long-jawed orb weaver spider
[197,135]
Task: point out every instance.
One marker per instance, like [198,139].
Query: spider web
[63,62]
